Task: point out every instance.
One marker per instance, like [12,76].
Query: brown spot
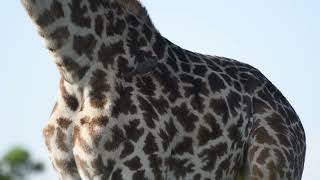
[64,123]
[70,100]
[61,140]
[92,123]
[78,140]
[48,132]
[99,87]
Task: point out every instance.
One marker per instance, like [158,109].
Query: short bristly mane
[136,8]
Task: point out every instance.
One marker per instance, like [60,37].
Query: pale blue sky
[280,37]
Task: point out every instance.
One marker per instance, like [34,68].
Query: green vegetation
[17,164]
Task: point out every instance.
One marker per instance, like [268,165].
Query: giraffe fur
[133,105]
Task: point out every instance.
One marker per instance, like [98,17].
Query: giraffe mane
[136,8]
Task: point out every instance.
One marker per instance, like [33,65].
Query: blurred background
[281,38]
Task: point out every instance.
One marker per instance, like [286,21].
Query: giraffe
[133,105]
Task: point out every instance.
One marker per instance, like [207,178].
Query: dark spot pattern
[149,113]
[128,148]
[101,168]
[133,164]
[84,45]
[185,146]
[139,175]
[220,107]
[71,67]
[179,167]
[124,103]
[116,139]
[150,145]
[117,175]
[156,166]
[79,14]
[114,26]
[95,5]
[205,134]
[186,118]
[99,24]
[211,155]
[50,15]
[133,131]
[216,83]
[169,83]
[108,53]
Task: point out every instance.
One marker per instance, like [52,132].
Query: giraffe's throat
[82,34]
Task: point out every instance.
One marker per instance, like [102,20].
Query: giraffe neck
[85,34]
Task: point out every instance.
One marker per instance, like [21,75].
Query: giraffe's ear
[143,68]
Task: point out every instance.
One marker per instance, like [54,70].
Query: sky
[281,38]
